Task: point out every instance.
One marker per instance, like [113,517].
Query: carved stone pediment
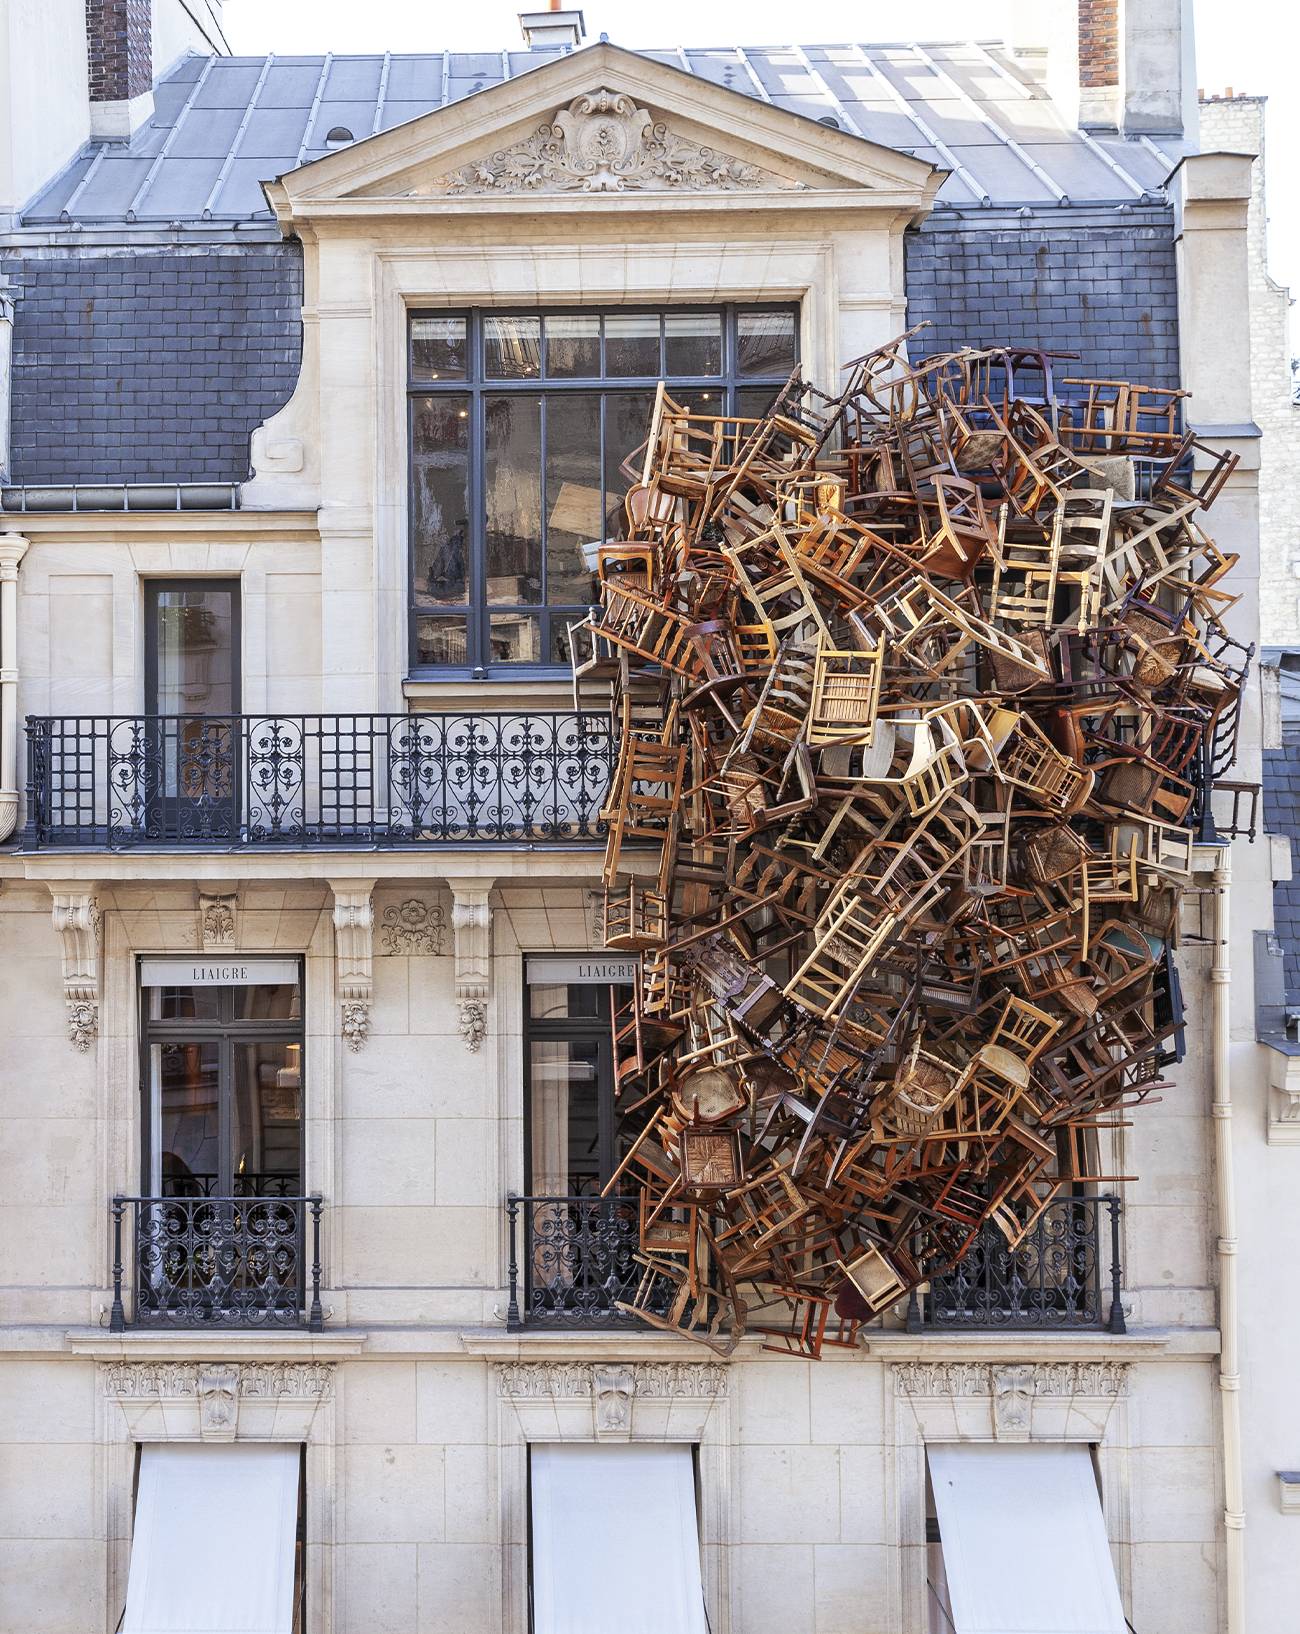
[602,142]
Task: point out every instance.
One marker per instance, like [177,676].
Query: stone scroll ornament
[920,713]
[603,143]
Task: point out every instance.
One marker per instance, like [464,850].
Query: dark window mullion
[476,615]
[543,630]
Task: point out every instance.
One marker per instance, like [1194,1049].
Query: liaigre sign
[195,972]
[581,970]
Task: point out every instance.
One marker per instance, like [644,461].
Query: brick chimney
[119,66]
[1098,44]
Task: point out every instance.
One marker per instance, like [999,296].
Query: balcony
[571,1263]
[577,1261]
[1065,1273]
[240,782]
[216,1262]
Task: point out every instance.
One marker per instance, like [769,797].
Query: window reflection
[517,469]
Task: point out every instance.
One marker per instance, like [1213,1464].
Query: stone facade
[415,1403]
[1236,125]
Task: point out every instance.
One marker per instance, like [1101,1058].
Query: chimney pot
[552,27]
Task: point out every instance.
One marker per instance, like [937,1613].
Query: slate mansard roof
[223,125]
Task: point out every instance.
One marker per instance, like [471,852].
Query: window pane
[438,349]
[187,1119]
[512,348]
[564,1117]
[440,499]
[561,652]
[632,343]
[573,501]
[512,470]
[441,641]
[514,638]
[627,425]
[693,342]
[184,1003]
[580,1001]
[573,346]
[267,1002]
[194,636]
[765,342]
[753,402]
[266,1121]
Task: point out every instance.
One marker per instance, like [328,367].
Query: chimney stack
[552,27]
[119,67]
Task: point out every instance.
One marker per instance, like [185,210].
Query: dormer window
[519,422]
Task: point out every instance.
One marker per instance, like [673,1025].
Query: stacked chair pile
[920,693]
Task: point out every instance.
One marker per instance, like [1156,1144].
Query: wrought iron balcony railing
[1065,1273]
[216,1262]
[576,1261]
[234,781]
[571,1262]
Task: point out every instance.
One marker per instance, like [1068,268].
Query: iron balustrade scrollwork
[233,781]
[217,1262]
[1064,1273]
[571,1261]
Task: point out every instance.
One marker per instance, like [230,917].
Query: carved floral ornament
[603,143]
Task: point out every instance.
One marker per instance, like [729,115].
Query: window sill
[458,689]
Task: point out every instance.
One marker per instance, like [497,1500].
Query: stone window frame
[118,1058]
[596,1403]
[798,271]
[1081,1402]
[221,1402]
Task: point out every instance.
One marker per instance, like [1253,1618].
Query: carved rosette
[414,926]
[603,143]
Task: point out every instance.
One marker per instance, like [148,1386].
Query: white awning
[615,1541]
[1024,1540]
[213,1550]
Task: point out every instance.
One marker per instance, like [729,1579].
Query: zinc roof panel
[273,134]
[180,188]
[354,79]
[399,113]
[291,84]
[114,186]
[416,79]
[476,65]
[204,133]
[230,83]
[354,116]
[241,192]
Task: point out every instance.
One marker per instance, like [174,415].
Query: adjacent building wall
[1235,124]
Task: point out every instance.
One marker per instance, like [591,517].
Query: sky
[1251,46]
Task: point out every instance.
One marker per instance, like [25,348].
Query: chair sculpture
[912,695]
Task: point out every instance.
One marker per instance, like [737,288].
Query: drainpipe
[1234,1503]
[13,547]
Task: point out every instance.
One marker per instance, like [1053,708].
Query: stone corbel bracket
[471,923]
[1283,1099]
[76,919]
[354,953]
